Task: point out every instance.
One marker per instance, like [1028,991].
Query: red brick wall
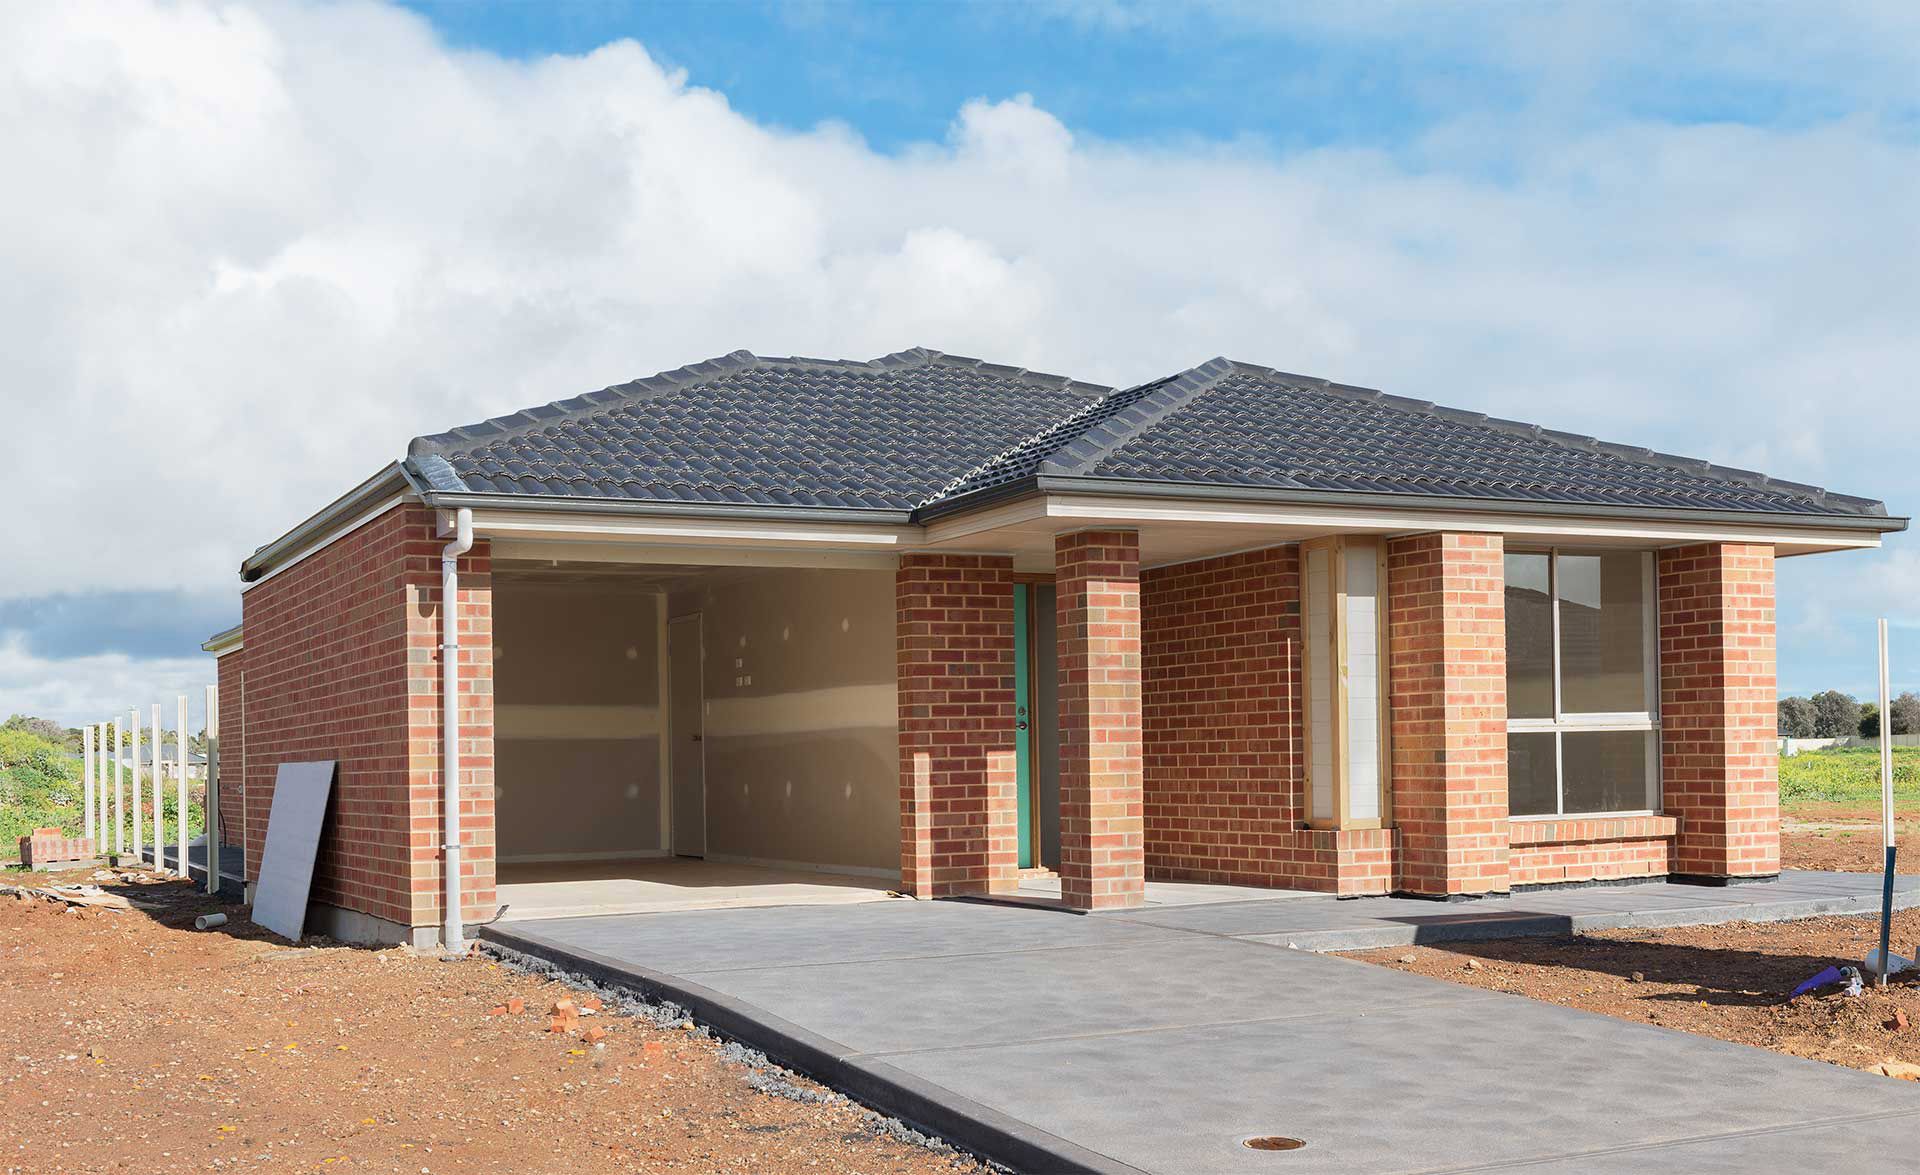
[958,808]
[1097,592]
[1596,849]
[1220,718]
[1720,765]
[342,663]
[230,669]
[1446,628]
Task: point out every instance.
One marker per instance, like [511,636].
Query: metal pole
[1886,803]
[213,790]
[180,805]
[133,754]
[86,780]
[159,798]
[100,792]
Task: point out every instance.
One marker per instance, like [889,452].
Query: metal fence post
[119,795]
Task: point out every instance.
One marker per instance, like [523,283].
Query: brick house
[956,624]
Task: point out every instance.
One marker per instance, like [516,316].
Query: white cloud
[83,690]
[252,251]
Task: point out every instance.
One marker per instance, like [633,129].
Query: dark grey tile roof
[746,430]
[922,429]
[1233,424]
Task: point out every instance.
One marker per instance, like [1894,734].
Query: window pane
[1603,633]
[1529,638]
[1606,770]
[1530,768]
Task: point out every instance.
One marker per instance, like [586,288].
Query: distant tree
[45,728]
[1835,715]
[1796,718]
[1906,713]
[1869,721]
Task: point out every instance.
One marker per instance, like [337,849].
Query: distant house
[952,623]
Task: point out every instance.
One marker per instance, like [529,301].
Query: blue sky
[305,232]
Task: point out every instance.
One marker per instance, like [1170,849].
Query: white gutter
[452,934]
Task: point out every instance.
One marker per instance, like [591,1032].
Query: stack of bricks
[1102,842]
[49,846]
[1446,623]
[959,823]
[1720,760]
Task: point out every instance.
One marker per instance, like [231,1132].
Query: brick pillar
[1102,843]
[959,820]
[1447,647]
[426,825]
[1719,760]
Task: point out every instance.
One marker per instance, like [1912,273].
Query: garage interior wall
[577,720]
[801,738]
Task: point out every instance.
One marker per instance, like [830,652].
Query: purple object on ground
[1830,975]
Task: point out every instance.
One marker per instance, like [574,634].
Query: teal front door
[1023,718]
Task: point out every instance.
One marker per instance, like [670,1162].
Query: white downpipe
[452,934]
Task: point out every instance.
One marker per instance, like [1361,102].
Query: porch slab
[651,885]
[1367,923]
[1159,1039]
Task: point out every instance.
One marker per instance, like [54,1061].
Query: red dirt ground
[1843,840]
[1729,982]
[135,1043]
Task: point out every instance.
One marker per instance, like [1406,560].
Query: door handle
[694,737]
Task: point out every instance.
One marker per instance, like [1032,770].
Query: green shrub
[1849,776]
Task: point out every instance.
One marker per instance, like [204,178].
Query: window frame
[1561,723]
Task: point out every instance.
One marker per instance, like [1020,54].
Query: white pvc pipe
[133,753]
[119,795]
[86,781]
[159,798]
[1886,743]
[452,933]
[180,805]
[213,790]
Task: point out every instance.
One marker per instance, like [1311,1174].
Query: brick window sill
[1591,828]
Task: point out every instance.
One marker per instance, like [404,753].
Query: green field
[40,786]
[1848,777]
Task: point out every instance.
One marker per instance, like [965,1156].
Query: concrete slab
[649,885]
[1367,923]
[1170,894]
[1128,1044]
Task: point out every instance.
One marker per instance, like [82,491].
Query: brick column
[1447,647]
[1102,843]
[1719,760]
[426,825]
[959,819]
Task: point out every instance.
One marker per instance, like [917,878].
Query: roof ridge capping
[1158,400]
[1845,503]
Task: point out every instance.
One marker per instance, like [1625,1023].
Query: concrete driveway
[1160,1042]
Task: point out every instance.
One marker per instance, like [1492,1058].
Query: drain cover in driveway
[1272,1142]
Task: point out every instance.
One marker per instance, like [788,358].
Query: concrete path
[652,885]
[1159,1040]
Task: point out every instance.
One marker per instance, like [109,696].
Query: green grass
[41,787]
[1849,777]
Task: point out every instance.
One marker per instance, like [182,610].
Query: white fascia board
[689,555]
[328,538]
[1109,511]
[668,529]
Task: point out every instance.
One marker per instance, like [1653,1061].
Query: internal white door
[686,730]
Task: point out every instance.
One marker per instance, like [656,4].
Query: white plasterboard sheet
[300,793]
